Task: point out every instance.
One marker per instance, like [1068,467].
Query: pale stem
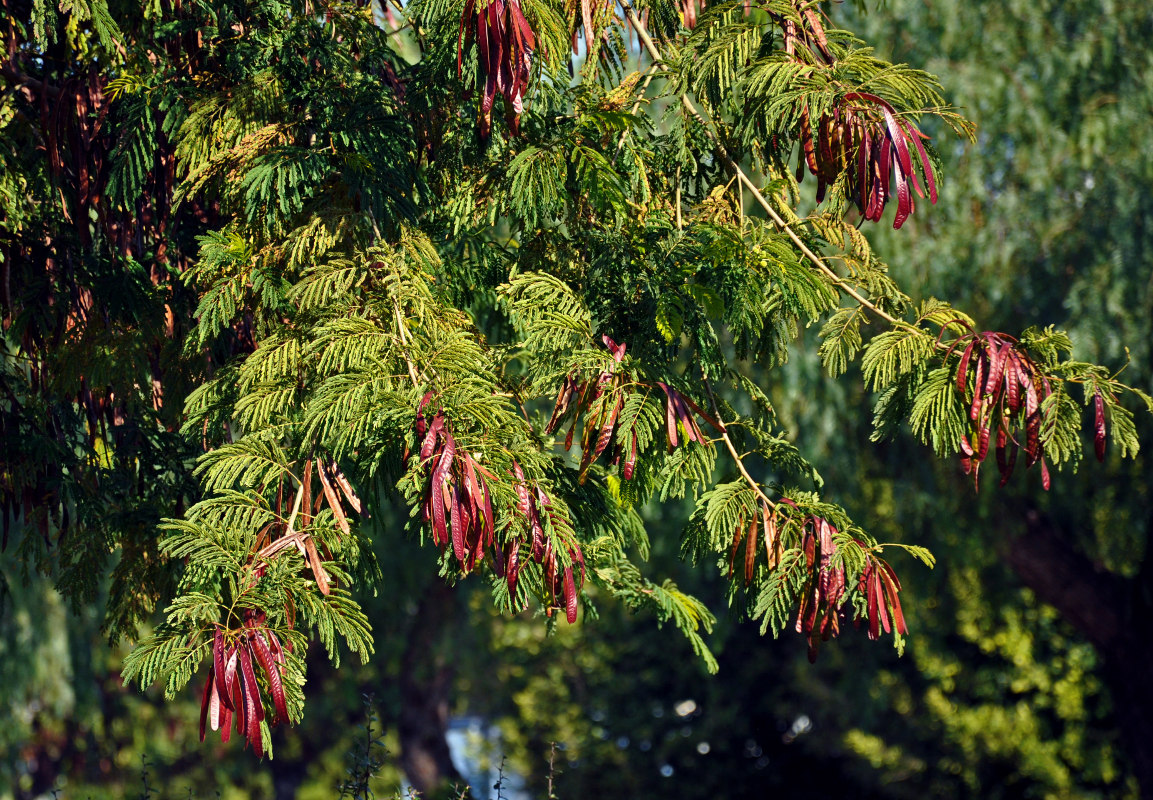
[756,487]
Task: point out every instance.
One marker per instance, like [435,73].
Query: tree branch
[1088,597]
[778,220]
[26,83]
[756,487]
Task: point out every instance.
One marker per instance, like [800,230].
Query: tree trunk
[1107,610]
[426,683]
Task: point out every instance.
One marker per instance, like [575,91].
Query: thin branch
[756,487]
[291,537]
[402,329]
[26,83]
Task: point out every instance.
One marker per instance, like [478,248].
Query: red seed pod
[229,696]
[892,588]
[505,44]
[512,571]
[978,386]
[251,688]
[220,658]
[963,366]
[772,540]
[1014,380]
[1099,426]
[457,523]
[204,703]
[570,596]
[345,487]
[225,725]
[241,701]
[751,550]
[272,671]
[873,592]
[332,498]
[214,708]
[631,462]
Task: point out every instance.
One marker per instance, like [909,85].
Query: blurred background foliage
[1000,694]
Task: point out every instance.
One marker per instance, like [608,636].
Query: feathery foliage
[296,239]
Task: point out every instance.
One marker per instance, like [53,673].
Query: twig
[500,780]
[403,331]
[291,537]
[551,769]
[756,487]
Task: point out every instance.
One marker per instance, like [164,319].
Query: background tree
[1063,206]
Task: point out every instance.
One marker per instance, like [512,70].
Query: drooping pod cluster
[823,596]
[600,401]
[1008,394]
[864,139]
[505,44]
[881,588]
[531,503]
[458,501]
[232,691]
[818,617]
[762,521]
[679,410]
[458,506]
